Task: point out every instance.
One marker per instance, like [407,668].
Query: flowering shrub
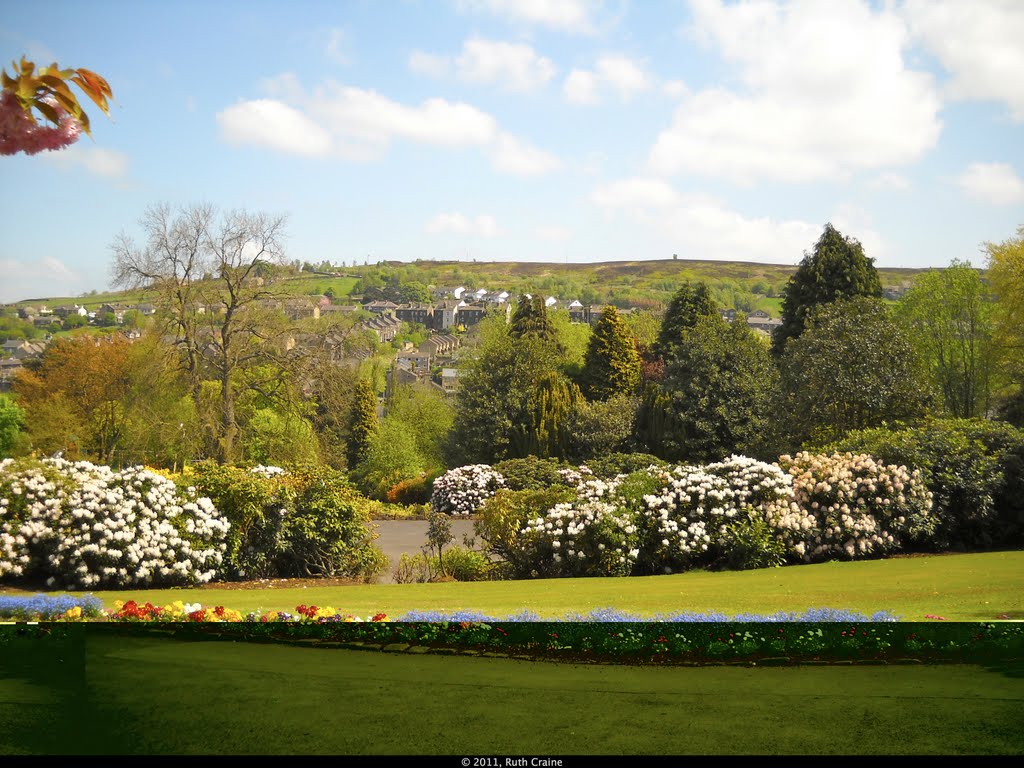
[848,505]
[463,490]
[585,538]
[80,525]
[700,509]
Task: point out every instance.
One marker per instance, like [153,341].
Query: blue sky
[529,130]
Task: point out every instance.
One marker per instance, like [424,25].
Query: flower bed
[602,636]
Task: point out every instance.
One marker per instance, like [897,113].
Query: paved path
[398,537]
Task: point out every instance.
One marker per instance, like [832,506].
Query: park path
[398,537]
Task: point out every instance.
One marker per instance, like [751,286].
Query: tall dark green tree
[691,302]
[853,367]
[531,320]
[363,422]
[836,269]
[716,397]
[612,362]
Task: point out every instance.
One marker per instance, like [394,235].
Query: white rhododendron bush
[78,525]
[463,490]
[653,521]
[849,505]
[735,513]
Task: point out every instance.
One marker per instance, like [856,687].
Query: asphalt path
[398,537]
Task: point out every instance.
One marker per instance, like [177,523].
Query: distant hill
[644,284]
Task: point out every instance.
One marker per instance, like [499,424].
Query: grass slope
[958,587]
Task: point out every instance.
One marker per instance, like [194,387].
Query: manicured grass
[958,587]
[158,696]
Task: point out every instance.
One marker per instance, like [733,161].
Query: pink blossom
[19,134]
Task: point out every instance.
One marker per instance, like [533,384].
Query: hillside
[648,284]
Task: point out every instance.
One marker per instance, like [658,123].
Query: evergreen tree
[545,430]
[853,367]
[716,396]
[531,320]
[363,423]
[690,303]
[612,362]
[836,269]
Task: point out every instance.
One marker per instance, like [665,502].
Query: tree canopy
[836,269]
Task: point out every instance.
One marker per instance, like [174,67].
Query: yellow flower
[74,613]
[118,604]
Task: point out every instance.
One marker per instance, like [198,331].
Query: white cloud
[825,93]
[269,123]
[635,193]
[360,124]
[979,42]
[513,156]
[514,66]
[428,64]
[995,183]
[889,180]
[611,72]
[567,15]
[108,163]
[460,224]
[702,228]
[336,45]
[623,74]
[581,87]
[36,278]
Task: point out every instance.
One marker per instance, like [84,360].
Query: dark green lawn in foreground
[958,587]
[158,696]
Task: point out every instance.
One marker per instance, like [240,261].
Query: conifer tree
[531,320]
[690,303]
[836,269]
[363,423]
[612,362]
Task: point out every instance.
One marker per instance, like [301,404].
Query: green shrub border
[638,643]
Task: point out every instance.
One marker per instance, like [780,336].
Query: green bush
[973,467]
[459,564]
[306,522]
[623,464]
[328,533]
[252,504]
[748,543]
[502,518]
[530,473]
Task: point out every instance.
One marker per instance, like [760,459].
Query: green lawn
[149,696]
[958,587]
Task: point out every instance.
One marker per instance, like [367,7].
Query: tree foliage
[363,422]
[203,268]
[1006,276]
[853,367]
[949,315]
[716,396]
[612,363]
[836,269]
[690,303]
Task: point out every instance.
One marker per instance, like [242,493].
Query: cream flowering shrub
[463,490]
[850,506]
[695,508]
[587,538]
[655,520]
[79,525]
